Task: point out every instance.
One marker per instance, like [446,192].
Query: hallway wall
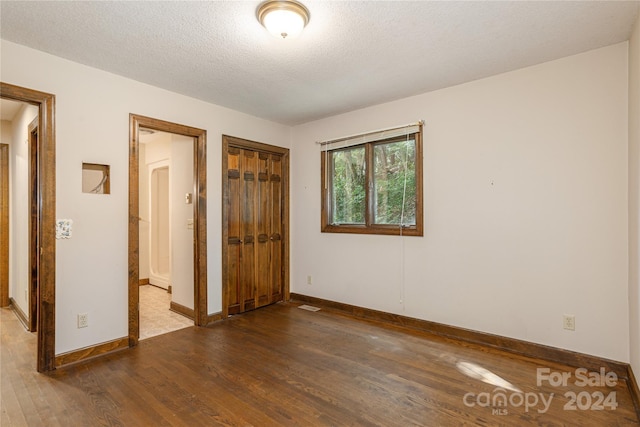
[19,208]
[92,125]
[182,238]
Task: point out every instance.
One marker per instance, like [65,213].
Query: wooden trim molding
[47,223]
[143,282]
[182,310]
[214,317]
[91,352]
[199,218]
[34,221]
[369,226]
[511,345]
[22,317]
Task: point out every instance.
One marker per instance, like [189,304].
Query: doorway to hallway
[187,218]
[45,196]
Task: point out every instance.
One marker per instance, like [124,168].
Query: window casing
[374,187]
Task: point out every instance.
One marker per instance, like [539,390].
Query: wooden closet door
[241,172]
[255,250]
[269,230]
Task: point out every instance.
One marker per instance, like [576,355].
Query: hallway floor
[155,316]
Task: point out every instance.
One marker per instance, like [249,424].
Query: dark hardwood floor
[281,365]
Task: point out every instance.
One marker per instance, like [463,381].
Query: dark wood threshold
[19,313]
[511,345]
[143,282]
[182,310]
[91,352]
[214,317]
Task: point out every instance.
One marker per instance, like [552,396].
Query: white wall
[181,177]
[7,138]
[525,178]
[19,209]
[634,198]
[143,213]
[5,132]
[92,125]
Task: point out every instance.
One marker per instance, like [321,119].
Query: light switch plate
[64,228]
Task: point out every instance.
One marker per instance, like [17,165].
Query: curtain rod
[345,138]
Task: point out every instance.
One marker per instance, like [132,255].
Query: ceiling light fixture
[283,18]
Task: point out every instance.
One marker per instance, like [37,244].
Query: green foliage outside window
[349,181]
[395,183]
[374,187]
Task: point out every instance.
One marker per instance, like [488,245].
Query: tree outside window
[374,187]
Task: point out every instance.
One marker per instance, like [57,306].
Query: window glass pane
[395,182]
[348,179]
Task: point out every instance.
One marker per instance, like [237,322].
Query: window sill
[388,230]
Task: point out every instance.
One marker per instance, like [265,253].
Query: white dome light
[283,18]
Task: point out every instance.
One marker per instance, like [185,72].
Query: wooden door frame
[201,316]
[231,141]
[34,226]
[47,214]
[4,225]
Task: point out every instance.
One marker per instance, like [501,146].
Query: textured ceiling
[352,54]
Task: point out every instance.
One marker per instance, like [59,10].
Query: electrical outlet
[569,322]
[309,280]
[83,320]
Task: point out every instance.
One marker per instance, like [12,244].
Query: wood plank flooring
[283,366]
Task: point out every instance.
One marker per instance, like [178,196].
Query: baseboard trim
[91,352]
[143,282]
[19,313]
[182,310]
[214,317]
[511,345]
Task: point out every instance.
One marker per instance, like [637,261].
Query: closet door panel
[263,231]
[276,237]
[234,245]
[247,270]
